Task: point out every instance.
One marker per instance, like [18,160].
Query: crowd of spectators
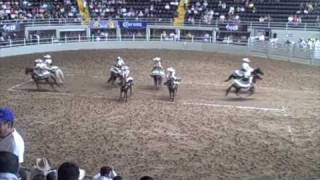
[38,9]
[197,10]
[12,150]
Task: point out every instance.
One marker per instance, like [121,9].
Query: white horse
[58,73]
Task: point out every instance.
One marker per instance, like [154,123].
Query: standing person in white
[10,139]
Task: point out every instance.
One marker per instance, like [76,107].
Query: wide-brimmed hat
[48,56]
[246,59]
[170,69]
[157,59]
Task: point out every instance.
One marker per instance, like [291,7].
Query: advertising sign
[132,25]
[11,27]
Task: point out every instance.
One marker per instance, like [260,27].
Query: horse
[38,80]
[157,74]
[238,74]
[246,85]
[58,74]
[125,86]
[172,87]
[115,73]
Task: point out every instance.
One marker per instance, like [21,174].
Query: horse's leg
[37,84]
[230,77]
[251,90]
[120,94]
[160,81]
[237,90]
[51,84]
[155,81]
[228,90]
[130,90]
[174,94]
[126,95]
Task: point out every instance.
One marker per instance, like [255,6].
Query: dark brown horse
[50,79]
[172,87]
[125,86]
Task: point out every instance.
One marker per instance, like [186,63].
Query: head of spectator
[117,178]
[7,118]
[52,175]
[146,178]
[68,171]
[9,166]
[105,171]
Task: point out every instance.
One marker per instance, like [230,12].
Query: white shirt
[13,143]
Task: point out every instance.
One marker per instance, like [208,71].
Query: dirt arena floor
[274,134]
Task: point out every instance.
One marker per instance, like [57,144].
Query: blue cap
[7,115]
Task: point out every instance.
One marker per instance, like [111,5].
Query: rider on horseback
[246,68]
[119,62]
[172,75]
[48,60]
[157,63]
[125,73]
[41,69]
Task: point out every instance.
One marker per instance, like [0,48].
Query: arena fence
[263,49]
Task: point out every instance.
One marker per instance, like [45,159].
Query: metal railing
[261,48]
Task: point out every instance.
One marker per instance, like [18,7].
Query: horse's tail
[59,76]
[28,70]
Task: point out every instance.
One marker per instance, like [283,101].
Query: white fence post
[10,43]
[24,42]
[65,39]
[79,36]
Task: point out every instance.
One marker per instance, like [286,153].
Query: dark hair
[39,177]
[9,162]
[146,178]
[68,171]
[105,171]
[117,178]
[52,175]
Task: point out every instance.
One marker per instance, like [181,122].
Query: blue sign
[132,25]
[13,27]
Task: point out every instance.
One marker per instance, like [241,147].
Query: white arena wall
[250,50]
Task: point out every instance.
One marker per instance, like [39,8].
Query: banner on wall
[11,27]
[103,24]
[132,25]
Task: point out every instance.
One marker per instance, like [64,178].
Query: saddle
[244,82]
[115,69]
[157,71]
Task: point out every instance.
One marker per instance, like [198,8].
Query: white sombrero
[157,59]
[48,56]
[38,60]
[246,59]
[170,69]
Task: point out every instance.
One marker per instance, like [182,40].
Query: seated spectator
[9,166]
[70,171]
[146,178]
[10,139]
[106,173]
